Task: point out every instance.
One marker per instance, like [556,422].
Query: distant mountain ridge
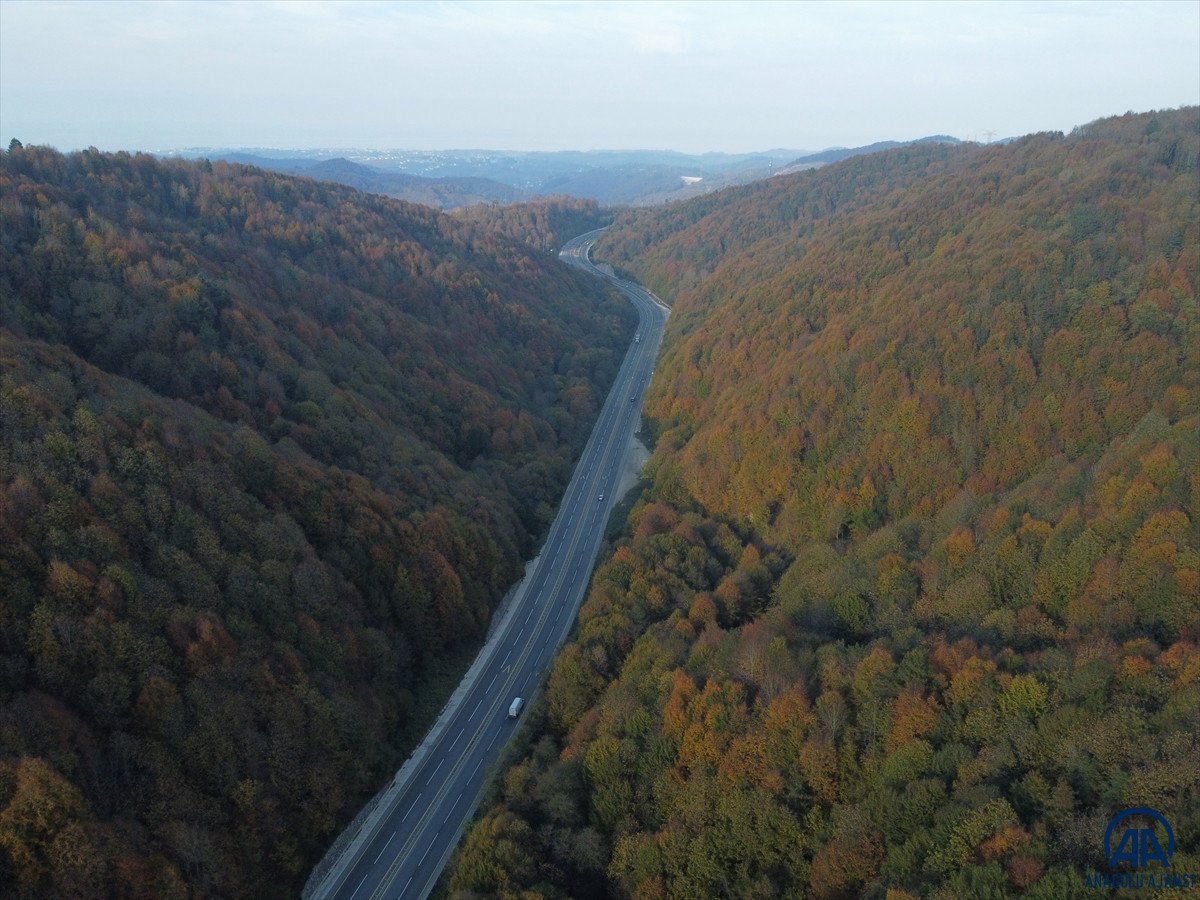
[443,193]
[837,154]
[451,179]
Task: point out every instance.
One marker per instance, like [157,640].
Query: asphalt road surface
[402,848]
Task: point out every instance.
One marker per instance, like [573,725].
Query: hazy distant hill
[442,193]
[628,185]
[539,172]
[455,178]
[909,605]
[271,450]
[633,178]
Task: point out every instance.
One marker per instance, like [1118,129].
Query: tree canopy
[909,604]
[269,449]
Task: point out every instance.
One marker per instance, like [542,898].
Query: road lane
[401,847]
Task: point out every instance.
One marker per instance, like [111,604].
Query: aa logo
[1138,846]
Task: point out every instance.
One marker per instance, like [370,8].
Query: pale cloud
[668,39]
[654,28]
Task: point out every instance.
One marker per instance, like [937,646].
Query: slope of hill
[910,603]
[546,223]
[270,452]
[674,249]
[837,154]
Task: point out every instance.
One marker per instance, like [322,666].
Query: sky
[556,75]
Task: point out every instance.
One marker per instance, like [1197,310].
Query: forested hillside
[910,603]
[546,223]
[269,448]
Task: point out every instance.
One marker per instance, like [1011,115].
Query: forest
[271,451]
[909,602]
[545,223]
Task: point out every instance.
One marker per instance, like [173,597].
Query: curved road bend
[402,846]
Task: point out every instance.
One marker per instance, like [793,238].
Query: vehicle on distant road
[515,709]
[601,497]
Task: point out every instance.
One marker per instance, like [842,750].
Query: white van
[515,709]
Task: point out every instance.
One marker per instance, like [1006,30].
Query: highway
[401,847]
